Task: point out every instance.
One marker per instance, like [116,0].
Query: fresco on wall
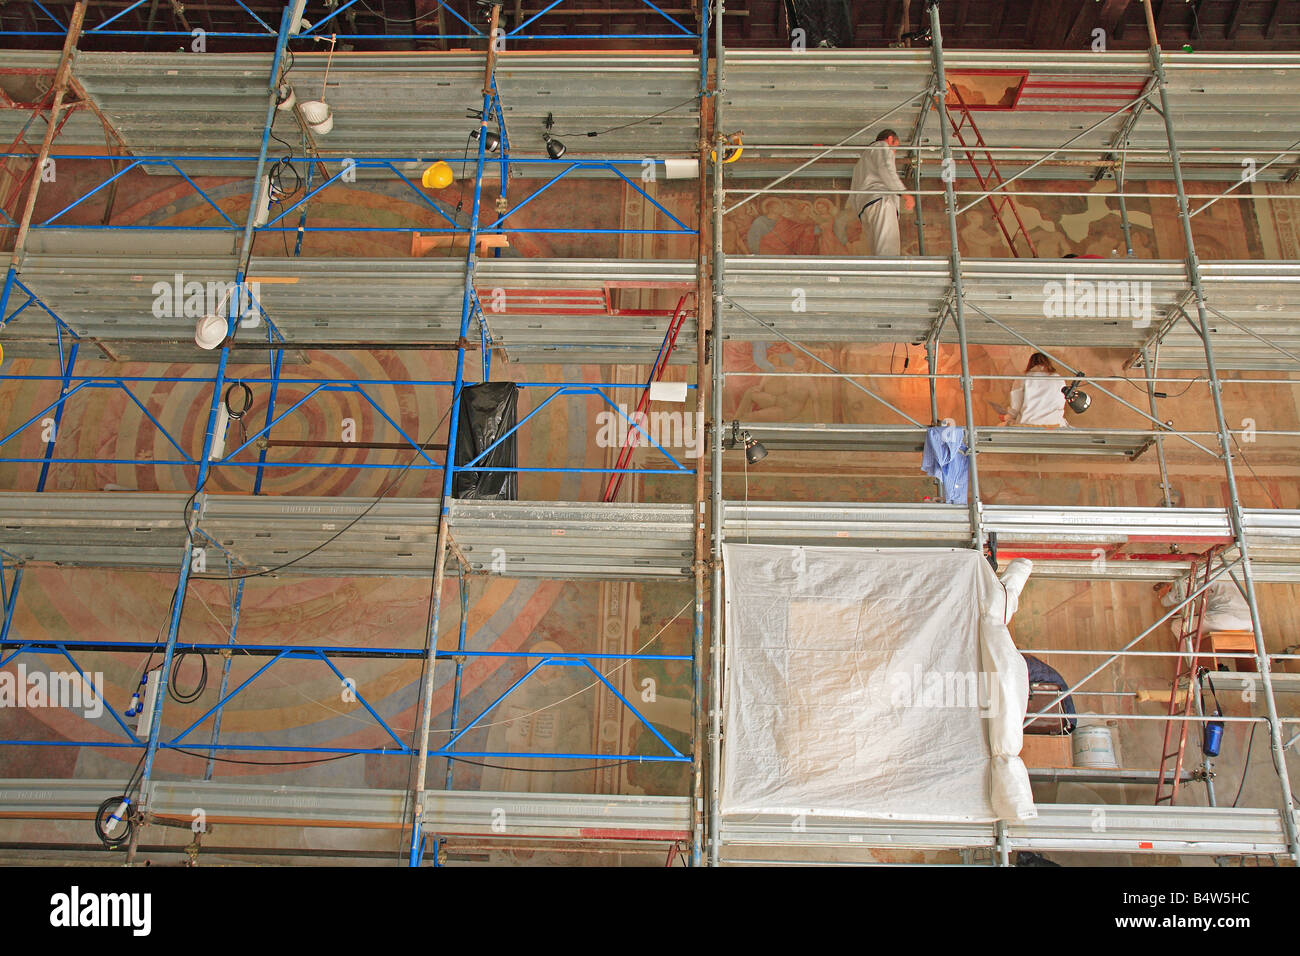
[301,700]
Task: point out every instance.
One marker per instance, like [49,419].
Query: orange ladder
[1003,204]
[1185,672]
[656,373]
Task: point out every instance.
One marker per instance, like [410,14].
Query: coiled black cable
[104,814]
[237,414]
[108,808]
[176,666]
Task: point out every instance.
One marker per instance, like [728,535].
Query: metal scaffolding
[1162,116]
[996,302]
[378,305]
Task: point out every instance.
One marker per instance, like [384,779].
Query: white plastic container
[1094,746]
[319,117]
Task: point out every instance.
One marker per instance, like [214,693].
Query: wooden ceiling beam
[1234,21]
[1274,19]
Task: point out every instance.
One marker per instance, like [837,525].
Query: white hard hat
[211,331]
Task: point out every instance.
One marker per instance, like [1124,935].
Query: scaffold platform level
[532,815]
[385,104]
[112,300]
[564,539]
[1242,103]
[397,537]
[1064,542]
[1129,303]
[1059,827]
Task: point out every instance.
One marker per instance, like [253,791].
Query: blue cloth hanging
[945,458]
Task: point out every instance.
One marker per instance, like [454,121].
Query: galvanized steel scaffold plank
[324,302]
[395,537]
[876,524]
[787,102]
[409,105]
[178,105]
[1059,827]
[533,815]
[1255,320]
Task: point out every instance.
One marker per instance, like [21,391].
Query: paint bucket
[1094,747]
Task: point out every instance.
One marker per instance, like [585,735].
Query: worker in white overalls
[1039,397]
[875,193]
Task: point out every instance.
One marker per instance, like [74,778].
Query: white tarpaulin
[874,683]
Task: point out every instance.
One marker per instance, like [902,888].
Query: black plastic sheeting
[487,411]
[826,23]
[1041,673]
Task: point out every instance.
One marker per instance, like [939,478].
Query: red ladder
[1001,202]
[1185,673]
[656,373]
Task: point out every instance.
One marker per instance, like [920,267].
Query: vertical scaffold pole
[1235,515]
[196,502]
[703,311]
[449,469]
[1149,365]
[958,295]
[68,365]
[462,587]
[235,607]
[715,450]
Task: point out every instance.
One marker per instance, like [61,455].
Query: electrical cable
[264,763]
[158,637]
[199,688]
[424,669]
[482,726]
[276,172]
[495,766]
[275,175]
[647,119]
[1245,766]
[510,720]
[248,400]
[275,180]
[202,684]
[108,809]
[1242,455]
[1142,388]
[460,201]
[387,19]
[239,415]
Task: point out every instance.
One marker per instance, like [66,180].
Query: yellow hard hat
[437,176]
